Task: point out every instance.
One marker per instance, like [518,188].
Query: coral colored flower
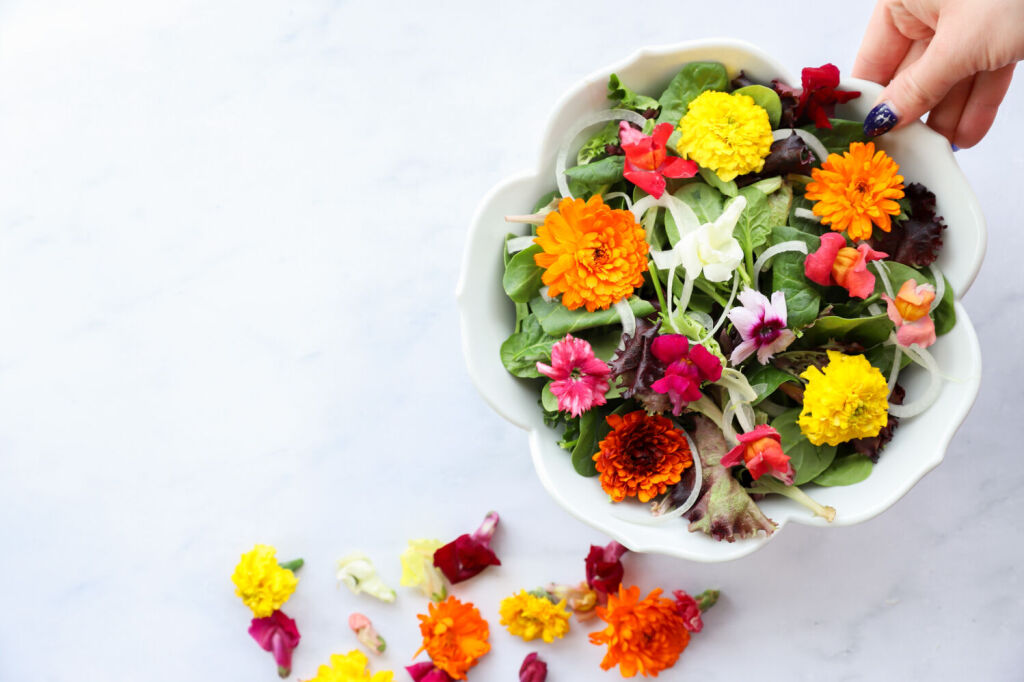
[712,250]
[689,609]
[593,255]
[418,569]
[647,163]
[686,368]
[761,451]
[604,567]
[427,672]
[467,555]
[857,189]
[847,399]
[350,668]
[816,102]
[454,636]
[366,633]
[261,582]
[643,636]
[278,634]
[641,456]
[762,325]
[729,134]
[909,312]
[581,599]
[579,379]
[357,572]
[530,616]
[834,263]
[533,669]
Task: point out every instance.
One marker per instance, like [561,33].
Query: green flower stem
[748,274]
[656,280]
[293,565]
[768,484]
[706,599]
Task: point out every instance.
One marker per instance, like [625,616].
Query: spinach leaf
[556,320]
[521,352]
[522,278]
[627,99]
[545,200]
[768,186]
[802,298]
[838,139]
[590,178]
[845,470]
[548,400]
[706,201]
[808,460]
[594,148]
[766,379]
[779,202]
[867,331]
[754,225]
[729,189]
[767,99]
[593,429]
[693,79]
[881,357]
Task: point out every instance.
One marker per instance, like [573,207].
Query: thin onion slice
[544,295]
[620,195]
[640,207]
[703,319]
[517,244]
[897,356]
[686,220]
[940,286]
[813,142]
[925,359]
[581,125]
[807,214]
[883,274]
[726,309]
[772,251]
[698,483]
[628,319]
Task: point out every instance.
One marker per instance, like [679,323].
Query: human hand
[953,58]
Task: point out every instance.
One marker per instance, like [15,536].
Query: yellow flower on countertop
[261,582]
[350,668]
[418,569]
[728,134]
[529,616]
[848,399]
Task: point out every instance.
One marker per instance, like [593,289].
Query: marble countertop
[230,239]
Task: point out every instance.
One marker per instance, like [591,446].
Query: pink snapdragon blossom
[579,379]
[533,669]
[604,567]
[762,324]
[909,312]
[277,634]
[835,263]
[426,671]
[689,609]
[686,368]
[761,451]
[470,553]
[647,162]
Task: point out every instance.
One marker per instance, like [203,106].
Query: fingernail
[955,148]
[880,120]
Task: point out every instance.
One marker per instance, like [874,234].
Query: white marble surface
[230,239]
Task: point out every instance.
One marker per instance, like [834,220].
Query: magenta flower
[579,379]
[647,162]
[277,634]
[533,669]
[467,555]
[604,567]
[689,609]
[762,324]
[425,671]
[686,368]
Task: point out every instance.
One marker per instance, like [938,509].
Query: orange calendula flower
[643,636]
[593,255]
[454,636]
[856,190]
[642,456]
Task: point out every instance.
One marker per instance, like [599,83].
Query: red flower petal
[648,180]
[670,347]
[675,167]
[278,634]
[818,265]
[709,366]
[463,558]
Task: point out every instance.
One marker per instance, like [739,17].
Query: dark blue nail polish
[880,120]
[955,148]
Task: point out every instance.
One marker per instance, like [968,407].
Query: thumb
[918,88]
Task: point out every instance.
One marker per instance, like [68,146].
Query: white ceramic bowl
[487,316]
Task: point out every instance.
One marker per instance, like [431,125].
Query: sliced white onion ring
[813,142]
[897,356]
[940,286]
[806,214]
[726,309]
[620,195]
[544,295]
[883,274]
[640,207]
[578,127]
[925,359]
[628,320]
[698,483]
[686,220]
[772,251]
[703,319]
[519,243]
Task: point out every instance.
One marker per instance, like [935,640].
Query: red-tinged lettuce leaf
[634,367]
[872,447]
[788,155]
[917,240]
[724,510]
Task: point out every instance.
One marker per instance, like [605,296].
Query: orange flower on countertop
[642,456]
[856,190]
[593,256]
[454,636]
[643,636]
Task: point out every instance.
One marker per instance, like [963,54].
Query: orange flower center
[845,260]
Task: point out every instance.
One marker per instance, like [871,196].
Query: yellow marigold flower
[529,616]
[857,189]
[593,255]
[418,569]
[728,134]
[350,668]
[848,400]
[261,582]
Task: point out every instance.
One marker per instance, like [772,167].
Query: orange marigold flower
[642,456]
[857,189]
[593,255]
[454,636]
[643,636]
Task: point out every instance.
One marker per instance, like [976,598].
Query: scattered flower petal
[643,636]
[533,669]
[604,567]
[357,572]
[278,634]
[427,672]
[350,668]
[366,633]
[581,599]
[530,616]
[467,555]
[454,636]
[261,582]
[689,610]
[418,569]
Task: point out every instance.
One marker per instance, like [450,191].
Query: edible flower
[357,572]
[604,567]
[689,610]
[350,668]
[728,134]
[592,254]
[845,400]
[262,583]
[278,634]
[533,669]
[578,379]
[641,456]
[762,325]
[366,633]
[581,599]
[454,636]
[647,164]
[835,263]
[418,569]
[531,616]
[426,671]
[853,191]
[909,312]
[711,249]
[467,555]
[817,100]
[643,636]
[761,451]
[686,367]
